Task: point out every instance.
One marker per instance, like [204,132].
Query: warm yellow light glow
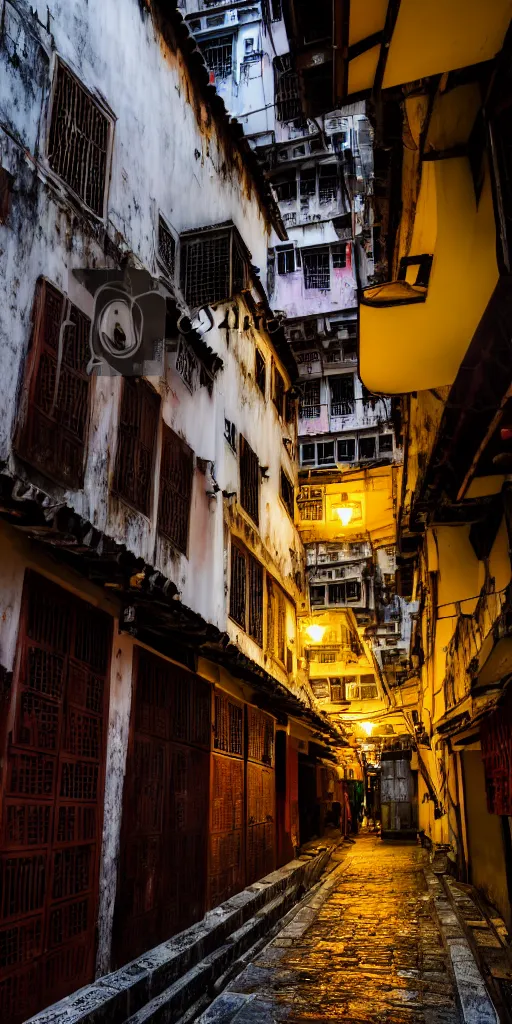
[345,513]
[316,633]
[367,727]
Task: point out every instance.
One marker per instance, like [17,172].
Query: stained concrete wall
[485,838]
[168,157]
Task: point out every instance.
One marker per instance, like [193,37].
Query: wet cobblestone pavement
[368,951]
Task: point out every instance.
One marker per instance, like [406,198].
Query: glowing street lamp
[367,727]
[316,633]
[345,513]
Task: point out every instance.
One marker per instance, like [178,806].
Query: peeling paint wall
[167,158]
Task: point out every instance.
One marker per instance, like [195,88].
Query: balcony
[415,331]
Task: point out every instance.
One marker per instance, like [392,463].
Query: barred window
[325,453]
[287,93]
[55,409]
[213,266]
[287,493]
[261,372]
[78,143]
[249,481]
[138,423]
[340,593]
[278,390]
[276,620]
[309,405]
[176,474]
[317,272]
[311,511]
[246,593]
[166,246]
[342,395]
[218,55]
[328,184]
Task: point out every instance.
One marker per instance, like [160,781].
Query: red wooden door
[162,877]
[52,800]
[226,874]
[261,795]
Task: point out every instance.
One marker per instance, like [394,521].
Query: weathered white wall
[168,157]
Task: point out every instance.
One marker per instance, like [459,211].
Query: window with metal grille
[340,593]
[342,395]
[166,246]
[325,453]
[213,266]
[317,273]
[309,404]
[308,182]
[246,593]
[367,447]
[79,141]
[218,55]
[136,440]
[287,493]
[287,93]
[249,481]
[228,725]
[176,475]
[339,257]
[261,372]
[310,511]
[337,692]
[286,260]
[55,403]
[328,184]
[278,390]
[346,449]
[385,444]
[286,188]
[368,692]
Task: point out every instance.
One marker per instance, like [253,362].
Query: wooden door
[261,795]
[162,877]
[226,871]
[52,800]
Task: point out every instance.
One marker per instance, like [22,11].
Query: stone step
[163,983]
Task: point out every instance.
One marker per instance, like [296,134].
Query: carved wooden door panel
[261,795]
[162,876]
[52,800]
[226,874]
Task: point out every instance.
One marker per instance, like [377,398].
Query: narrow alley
[371,951]
[255,511]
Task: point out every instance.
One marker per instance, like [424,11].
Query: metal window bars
[166,246]
[138,422]
[53,432]
[176,475]
[218,55]
[246,593]
[249,480]
[214,265]
[309,404]
[287,91]
[317,272]
[78,141]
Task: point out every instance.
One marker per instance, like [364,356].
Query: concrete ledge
[163,983]
[475,1002]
